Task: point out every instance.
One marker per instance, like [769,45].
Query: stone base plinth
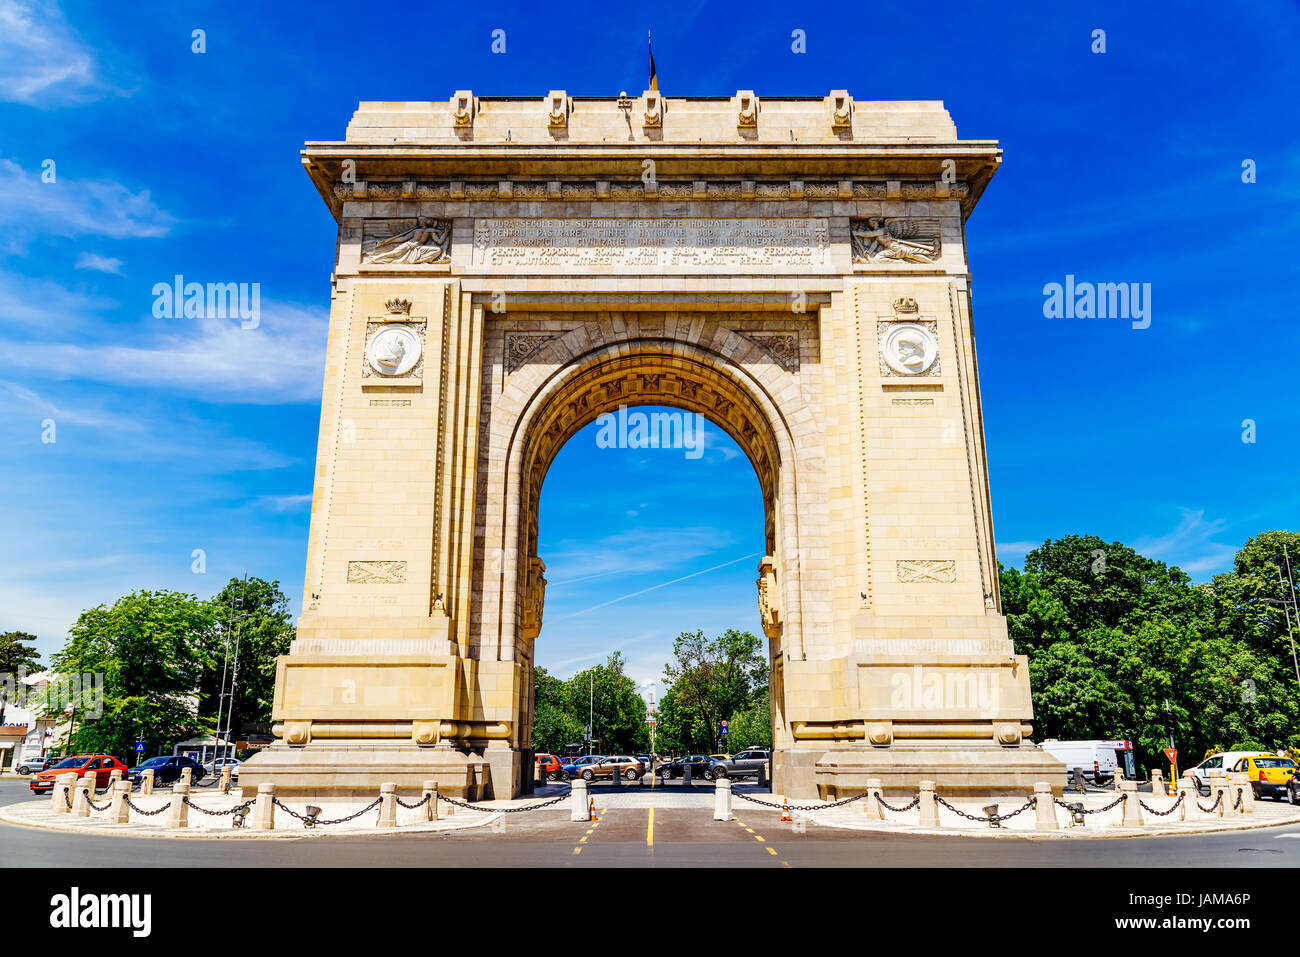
[346,771]
[971,769]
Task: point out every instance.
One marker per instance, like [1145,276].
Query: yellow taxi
[1270,775]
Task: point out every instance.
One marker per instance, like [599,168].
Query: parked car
[1219,764]
[32,765]
[744,764]
[550,765]
[214,767]
[574,767]
[701,766]
[167,769]
[1270,776]
[101,766]
[621,764]
[648,760]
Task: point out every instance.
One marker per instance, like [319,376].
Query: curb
[1059,834]
[233,834]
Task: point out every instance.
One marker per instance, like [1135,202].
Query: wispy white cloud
[1191,544]
[286,503]
[31,303]
[71,207]
[42,60]
[281,360]
[89,260]
[632,552]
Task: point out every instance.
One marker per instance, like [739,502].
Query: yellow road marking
[772,851]
[757,838]
[577,850]
[650,830]
[583,839]
[750,830]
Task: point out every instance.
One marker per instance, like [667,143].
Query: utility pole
[229,706]
[1291,580]
[591,698]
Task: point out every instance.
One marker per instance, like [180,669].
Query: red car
[550,766]
[100,765]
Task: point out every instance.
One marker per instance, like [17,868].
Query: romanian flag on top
[654,77]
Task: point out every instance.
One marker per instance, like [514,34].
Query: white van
[1095,758]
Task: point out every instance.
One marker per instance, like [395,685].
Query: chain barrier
[799,807]
[420,803]
[338,820]
[986,819]
[98,807]
[202,810]
[1237,806]
[1213,807]
[67,796]
[141,811]
[506,810]
[211,784]
[1097,810]
[1150,810]
[915,802]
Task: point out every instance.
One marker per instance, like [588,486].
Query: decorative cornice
[452,191]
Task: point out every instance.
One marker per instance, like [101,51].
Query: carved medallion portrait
[909,348]
[393,350]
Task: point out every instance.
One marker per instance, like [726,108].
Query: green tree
[255,614]
[618,713]
[16,654]
[554,722]
[711,680]
[144,647]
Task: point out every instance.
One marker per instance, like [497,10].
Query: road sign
[724,729]
[139,745]
[651,721]
[1171,754]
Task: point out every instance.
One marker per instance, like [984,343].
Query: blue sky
[175,435]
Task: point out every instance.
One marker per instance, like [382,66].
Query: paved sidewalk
[39,814]
[1099,823]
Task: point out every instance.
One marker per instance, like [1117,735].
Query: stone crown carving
[905,305]
[398,307]
[652,113]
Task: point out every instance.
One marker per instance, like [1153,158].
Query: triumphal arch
[509,269]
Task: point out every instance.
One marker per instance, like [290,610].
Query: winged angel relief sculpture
[425,242]
[879,240]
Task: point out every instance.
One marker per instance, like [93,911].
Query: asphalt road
[638,837]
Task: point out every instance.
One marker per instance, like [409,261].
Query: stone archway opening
[641,374]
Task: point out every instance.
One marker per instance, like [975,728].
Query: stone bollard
[579,809]
[929,807]
[1158,783]
[387,805]
[264,809]
[1247,794]
[764,775]
[1132,816]
[146,781]
[114,776]
[186,777]
[871,803]
[61,793]
[1239,783]
[1044,808]
[1187,790]
[1219,799]
[225,779]
[81,803]
[616,777]
[722,799]
[119,812]
[178,815]
[430,791]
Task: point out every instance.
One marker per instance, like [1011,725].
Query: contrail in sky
[634,594]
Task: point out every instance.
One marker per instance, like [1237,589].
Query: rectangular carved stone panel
[927,570]
[374,572]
